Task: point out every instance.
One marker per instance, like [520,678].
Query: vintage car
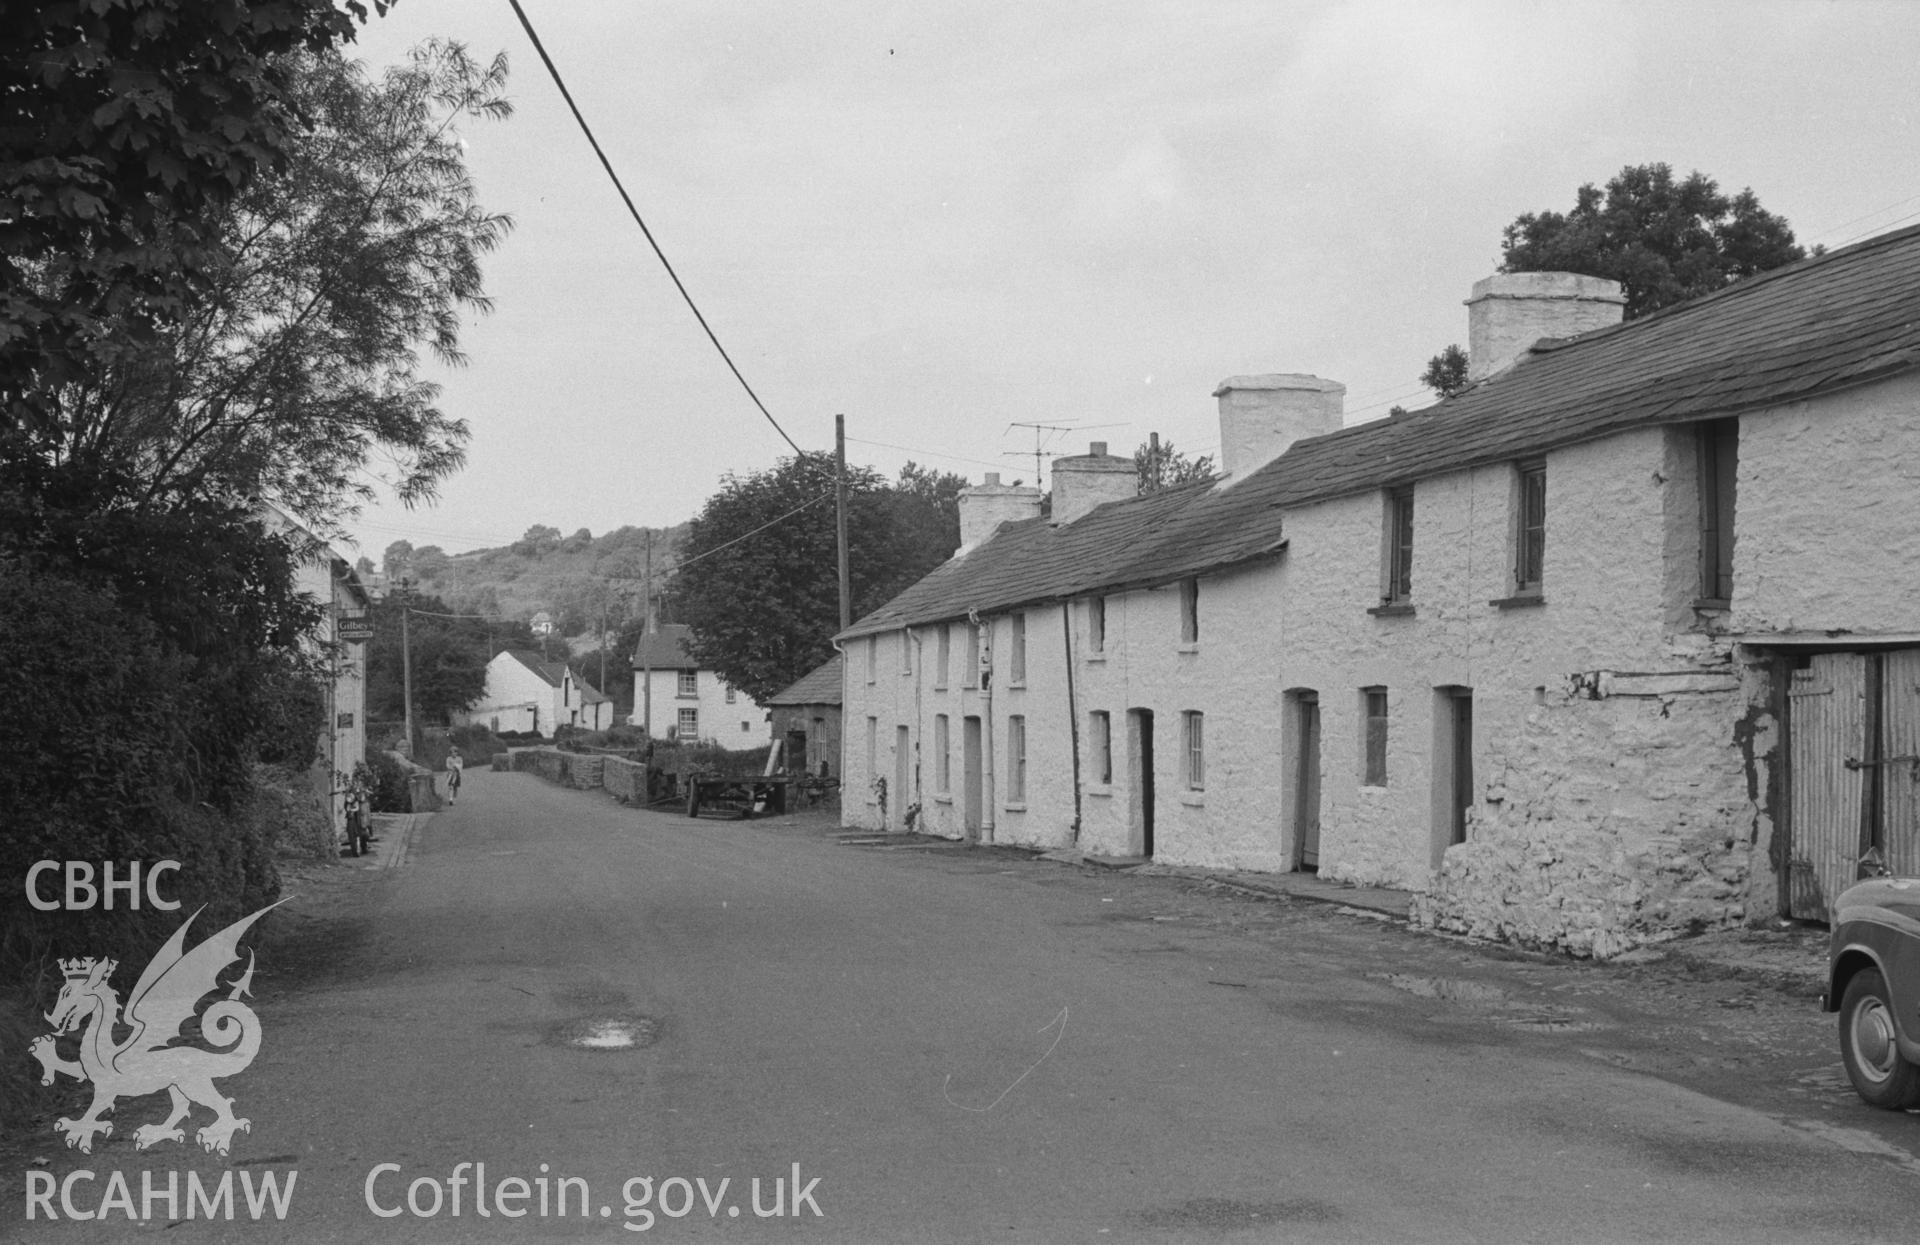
[1873,981]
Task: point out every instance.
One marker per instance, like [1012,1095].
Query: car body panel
[1878,920]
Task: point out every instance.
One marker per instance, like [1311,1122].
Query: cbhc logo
[81,893]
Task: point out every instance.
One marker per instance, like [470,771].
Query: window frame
[1190,611]
[1716,484]
[971,675]
[1017,651]
[1016,758]
[1376,710]
[688,717]
[1100,746]
[1096,626]
[1529,535]
[1397,566]
[1193,748]
[942,755]
[944,654]
[686,685]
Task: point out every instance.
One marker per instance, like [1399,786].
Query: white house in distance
[531,696]
[1621,641]
[674,698]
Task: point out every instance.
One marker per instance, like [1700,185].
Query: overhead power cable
[567,95]
[707,553]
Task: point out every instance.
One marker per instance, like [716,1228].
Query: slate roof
[819,686]
[665,649]
[1816,327]
[552,672]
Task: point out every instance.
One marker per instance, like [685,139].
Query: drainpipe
[919,722]
[1073,712]
[989,788]
[840,762]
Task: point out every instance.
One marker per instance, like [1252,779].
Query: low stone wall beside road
[625,780]
[568,769]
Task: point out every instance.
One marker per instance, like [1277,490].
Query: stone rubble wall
[1607,822]
[625,780]
[568,769]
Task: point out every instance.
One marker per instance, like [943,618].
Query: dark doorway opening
[1140,748]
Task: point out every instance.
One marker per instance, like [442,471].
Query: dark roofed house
[806,720]
[674,696]
[1570,655]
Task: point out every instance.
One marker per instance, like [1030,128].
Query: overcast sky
[945,219]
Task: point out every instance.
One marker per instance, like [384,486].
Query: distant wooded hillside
[577,580]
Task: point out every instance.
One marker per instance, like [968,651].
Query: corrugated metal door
[1827,712]
[1900,763]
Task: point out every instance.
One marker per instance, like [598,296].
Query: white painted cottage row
[1622,641]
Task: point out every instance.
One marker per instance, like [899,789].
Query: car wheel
[1880,1074]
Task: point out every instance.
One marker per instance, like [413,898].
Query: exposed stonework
[568,769]
[1604,823]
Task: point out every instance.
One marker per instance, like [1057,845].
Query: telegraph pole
[603,639]
[840,515]
[646,646]
[406,659]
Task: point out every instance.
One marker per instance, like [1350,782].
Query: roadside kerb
[393,838]
[1308,886]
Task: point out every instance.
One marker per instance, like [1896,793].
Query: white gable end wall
[520,699]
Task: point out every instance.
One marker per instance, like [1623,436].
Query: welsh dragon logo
[144,1061]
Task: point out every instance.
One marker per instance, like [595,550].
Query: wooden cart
[741,796]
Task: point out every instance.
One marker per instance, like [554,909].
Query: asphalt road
[964,1045]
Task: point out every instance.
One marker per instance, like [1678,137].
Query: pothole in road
[608,1032]
[1443,988]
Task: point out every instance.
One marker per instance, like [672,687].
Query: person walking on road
[454,767]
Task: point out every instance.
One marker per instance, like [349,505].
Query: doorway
[1140,781]
[1853,780]
[1452,768]
[797,759]
[971,777]
[1302,746]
